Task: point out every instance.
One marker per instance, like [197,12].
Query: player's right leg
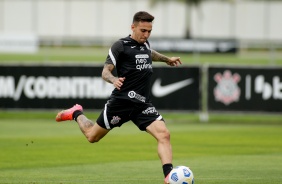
[93,132]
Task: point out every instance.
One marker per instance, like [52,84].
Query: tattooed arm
[107,73]
[173,61]
[108,76]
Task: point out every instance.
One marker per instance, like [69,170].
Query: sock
[76,114]
[167,168]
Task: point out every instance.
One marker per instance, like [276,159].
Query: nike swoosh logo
[133,47]
[161,91]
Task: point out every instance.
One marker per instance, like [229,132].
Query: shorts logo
[115,120]
[133,94]
[150,110]
[227,90]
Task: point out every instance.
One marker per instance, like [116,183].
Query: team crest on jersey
[115,120]
[142,48]
[227,90]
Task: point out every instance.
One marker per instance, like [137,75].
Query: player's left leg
[159,130]
[92,131]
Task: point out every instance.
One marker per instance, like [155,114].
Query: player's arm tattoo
[159,57]
[107,73]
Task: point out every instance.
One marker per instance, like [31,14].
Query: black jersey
[133,61]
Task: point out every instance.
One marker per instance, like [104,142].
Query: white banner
[18,43]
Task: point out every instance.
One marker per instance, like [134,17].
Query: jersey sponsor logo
[139,56]
[227,90]
[133,94]
[161,91]
[142,62]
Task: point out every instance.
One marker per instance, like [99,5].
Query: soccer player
[130,100]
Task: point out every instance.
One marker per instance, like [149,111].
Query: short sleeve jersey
[133,61]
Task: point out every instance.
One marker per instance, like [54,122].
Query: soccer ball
[181,175]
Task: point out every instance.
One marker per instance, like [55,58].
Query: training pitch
[229,149]
[241,149]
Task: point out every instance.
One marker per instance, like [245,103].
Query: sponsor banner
[52,87]
[199,45]
[176,88]
[245,89]
[60,87]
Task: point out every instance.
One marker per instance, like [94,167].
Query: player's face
[141,31]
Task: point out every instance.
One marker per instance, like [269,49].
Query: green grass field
[229,149]
[243,149]
[49,55]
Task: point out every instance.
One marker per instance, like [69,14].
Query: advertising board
[245,89]
[56,87]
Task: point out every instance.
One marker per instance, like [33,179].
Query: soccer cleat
[166,179]
[65,115]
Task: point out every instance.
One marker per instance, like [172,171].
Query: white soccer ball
[181,175]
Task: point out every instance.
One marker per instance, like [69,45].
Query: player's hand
[174,61]
[118,82]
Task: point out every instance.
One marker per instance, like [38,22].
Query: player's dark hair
[142,16]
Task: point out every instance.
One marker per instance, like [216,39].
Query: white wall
[238,19]
[16,17]
[112,18]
